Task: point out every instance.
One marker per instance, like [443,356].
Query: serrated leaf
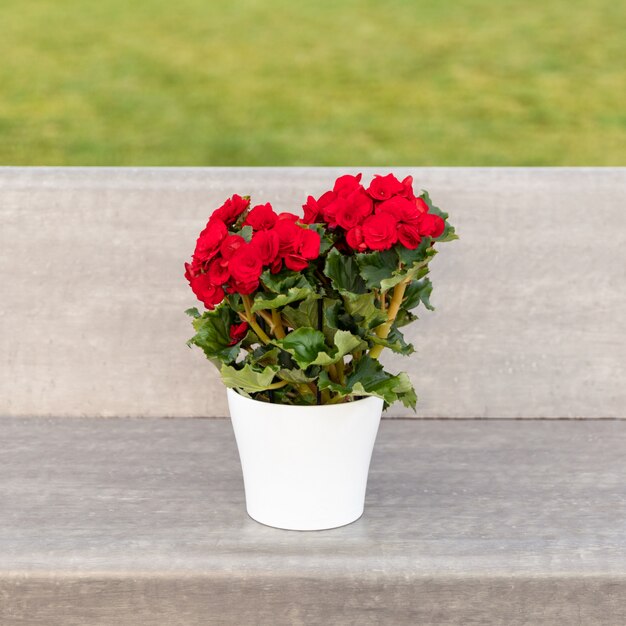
[370,379]
[410,257]
[418,291]
[213,335]
[193,312]
[449,233]
[283,281]
[345,342]
[324,382]
[264,355]
[344,272]
[391,282]
[363,308]
[296,376]
[305,344]
[336,318]
[246,233]
[410,272]
[308,346]
[247,378]
[425,196]
[404,317]
[394,341]
[304,314]
[264,301]
[376,267]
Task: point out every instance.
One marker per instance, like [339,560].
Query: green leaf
[296,376]
[415,262]
[368,372]
[449,233]
[264,355]
[304,315]
[345,342]
[418,291]
[213,335]
[343,272]
[395,341]
[308,346]
[363,308]
[246,233]
[404,317]
[324,382]
[273,301]
[376,267]
[425,196]
[247,378]
[336,318]
[193,312]
[370,379]
[305,344]
[283,281]
[391,282]
[405,391]
[410,257]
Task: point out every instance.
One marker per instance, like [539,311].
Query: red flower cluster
[375,218]
[223,262]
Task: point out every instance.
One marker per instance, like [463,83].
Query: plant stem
[277,324]
[383,300]
[267,318]
[278,385]
[337,400]
[247,305]
[341,372]
[384,329]
[332,371]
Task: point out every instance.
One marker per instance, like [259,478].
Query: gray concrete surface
[531,301]
[133,522]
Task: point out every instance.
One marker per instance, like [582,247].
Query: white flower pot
[305,467]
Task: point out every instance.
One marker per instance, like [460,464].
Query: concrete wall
[531,302]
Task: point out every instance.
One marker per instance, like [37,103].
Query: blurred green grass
[330,82]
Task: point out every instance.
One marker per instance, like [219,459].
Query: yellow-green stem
[383,300]
[247,305]
[332,371]
[341,372]
[277,325]
[337,400]
[278,385]
[267,317]
[383,330]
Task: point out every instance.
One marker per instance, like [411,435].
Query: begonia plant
[299,308]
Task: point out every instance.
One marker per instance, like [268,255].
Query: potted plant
[298,311]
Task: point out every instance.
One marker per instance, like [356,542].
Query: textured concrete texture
[128,521]
[531,301]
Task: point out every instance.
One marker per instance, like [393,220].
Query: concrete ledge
[467,522]
[531,301]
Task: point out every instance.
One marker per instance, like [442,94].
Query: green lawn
[327,82]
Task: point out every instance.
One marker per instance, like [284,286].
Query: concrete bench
[128,522]
[531,300]
[139,519]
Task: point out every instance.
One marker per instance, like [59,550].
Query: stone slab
[531,301]
[122,521]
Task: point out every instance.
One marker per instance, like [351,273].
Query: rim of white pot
[303,406]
